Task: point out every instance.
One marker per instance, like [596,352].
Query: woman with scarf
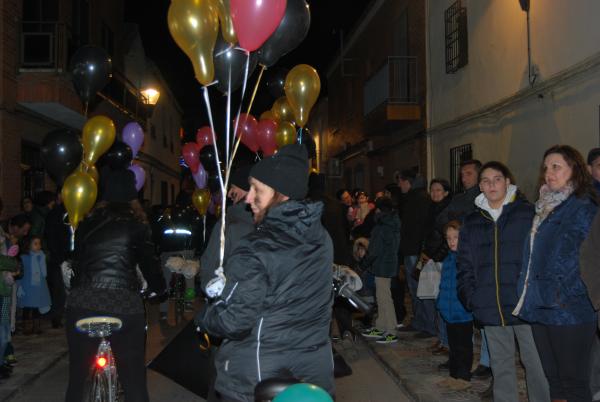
[553,298]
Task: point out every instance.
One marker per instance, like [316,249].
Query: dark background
[328,18]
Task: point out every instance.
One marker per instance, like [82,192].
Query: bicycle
[103,383]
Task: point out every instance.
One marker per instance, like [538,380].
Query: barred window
[457,46]
[457,156]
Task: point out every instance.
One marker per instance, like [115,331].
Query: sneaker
[400,326]
[387,338]
[482,372]
[373,333]
[11,359]
[458,384]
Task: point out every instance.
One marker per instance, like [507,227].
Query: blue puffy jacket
[555,293]
[489,262]
[447,301]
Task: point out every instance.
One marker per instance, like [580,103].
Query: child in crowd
[33,295]
[459,322]
[9,269]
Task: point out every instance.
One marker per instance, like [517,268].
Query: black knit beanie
[239,177]
[286,172]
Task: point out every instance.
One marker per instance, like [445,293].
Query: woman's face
[362,198]
[557,172]
[437,192]
[259,198]
[36,245]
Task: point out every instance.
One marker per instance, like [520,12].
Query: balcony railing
[44,45]
[394,83]
[123,95]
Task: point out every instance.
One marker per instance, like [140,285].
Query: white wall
[563,34]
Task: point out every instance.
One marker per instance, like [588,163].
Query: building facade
[376,104]
[509,79]
[38,38]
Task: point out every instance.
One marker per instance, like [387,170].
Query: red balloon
[204,136]
[247,128]
[265,135]
[191,155]
[255,20]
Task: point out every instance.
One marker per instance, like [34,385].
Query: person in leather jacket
[109,244]
[275,309]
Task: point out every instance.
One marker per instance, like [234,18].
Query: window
[457,48]
[32,171]
[457,155]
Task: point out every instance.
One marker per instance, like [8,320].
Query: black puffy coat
[435,245]
[275,310]
[489,261]
[108,245]
[414,218]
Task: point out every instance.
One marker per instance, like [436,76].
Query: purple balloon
[140,176]
[133,135]
[200,177]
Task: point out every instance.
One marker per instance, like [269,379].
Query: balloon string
[204,229]
[72,237]
[299,135]
[227,120]
[237,119]
[85,110]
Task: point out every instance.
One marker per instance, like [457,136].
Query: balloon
[194,25]
[191,153]
[255,20]
[201,199]
[276,82]
[282,110]
[303,392]
[286,134]
[208,159]
[227,30]
[289,34]
[229,58]
[61,153]
[92,171]
[133,135]
[140,176]
[302,87]
[267,114]
[247,127]
[97,138]
[204,136]
[90,69]
[119,156]
[79,195]
[189,294]
[265,135]
[200,177]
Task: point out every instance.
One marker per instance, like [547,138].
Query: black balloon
[290,33]
[208,159]
[119,156]
[61,153]
[226,57]
[276,82]
[90,69]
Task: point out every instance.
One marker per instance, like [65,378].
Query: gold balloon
[79,195]
[201,199]
[97,137]
[282,110]
[268,114]
[302,87]
[91,170]
[227,30]
[286,134]
[194,25]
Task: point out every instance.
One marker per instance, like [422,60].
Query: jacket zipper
[503,323]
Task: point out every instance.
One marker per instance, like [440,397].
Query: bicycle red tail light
[101,362]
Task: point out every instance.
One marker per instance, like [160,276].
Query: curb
[35,376]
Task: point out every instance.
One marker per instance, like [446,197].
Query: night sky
[328,17]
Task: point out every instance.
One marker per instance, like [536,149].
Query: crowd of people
[510,269]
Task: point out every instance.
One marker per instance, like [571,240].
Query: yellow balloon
[227,30]
[302,87]
[201,199]
[79,195]
[194,25]
[267,115]
[286,134]
[91,170]
[282,110]
[97,137]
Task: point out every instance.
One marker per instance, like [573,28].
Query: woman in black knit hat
[275,309]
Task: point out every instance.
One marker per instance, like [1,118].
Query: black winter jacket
[109,244]
[489,262]
[435,245]
[414,218]
[275,309]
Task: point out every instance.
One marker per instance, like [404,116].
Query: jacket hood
[298,218]
[388,219]
[482,202]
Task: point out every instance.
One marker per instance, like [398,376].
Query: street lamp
[151,96]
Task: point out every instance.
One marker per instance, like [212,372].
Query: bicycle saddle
[99,326]
[268,389]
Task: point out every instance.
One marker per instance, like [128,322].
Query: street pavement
[42,370]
